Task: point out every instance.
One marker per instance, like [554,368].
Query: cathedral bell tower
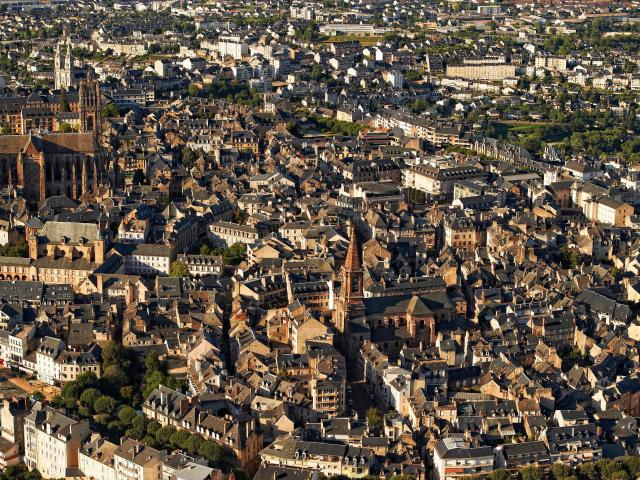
[89,99]
[349,304]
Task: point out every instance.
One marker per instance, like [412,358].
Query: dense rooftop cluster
[295,241]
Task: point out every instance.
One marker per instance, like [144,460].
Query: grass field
[370,40]
[550,132]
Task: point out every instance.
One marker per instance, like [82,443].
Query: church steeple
[352,275]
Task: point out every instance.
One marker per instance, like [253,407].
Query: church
[65,73]
[390,322]
[40,164]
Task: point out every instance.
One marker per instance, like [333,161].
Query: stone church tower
[63,66]
[349,303]
[349,316]
[89,100]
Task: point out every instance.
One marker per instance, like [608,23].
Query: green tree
[500,474]
[163,435]
[193,443]
[632,465]
[105,404]
[115,376]
[187,157]
[559,470]
[212,451]
[18,249]
[102,418]
[153,427]
[180,439]
[531,473]
[89,396]
[126,414]
[374,417]
[64,103]
[193,90]
[109,110]
[178,269]
[587,471]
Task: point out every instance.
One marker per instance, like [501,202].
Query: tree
[212,451]
[89,396]
[105,404]
[180,438]
[193,90]
[163,435]
[178,269]
[138,177]
[138,429]
[559,470]
[500,474]
[187,157]
[18,249]
[102,418]
[110,110]
[531,473]
[64,103]
[632,464]
[115,376]
[126,414]
[310,33]
[374,417]
[153,427]
[193,443]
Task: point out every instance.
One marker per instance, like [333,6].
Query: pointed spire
[352,261]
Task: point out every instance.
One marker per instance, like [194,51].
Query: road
[360,398]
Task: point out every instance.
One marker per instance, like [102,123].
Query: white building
[95,459]
[46,355]
[135,461]
[453,458]
[51,442]
[149,259]
[232,46]
[225,234]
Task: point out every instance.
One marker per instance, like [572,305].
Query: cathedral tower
[349,304]
[89,99]
[63,66]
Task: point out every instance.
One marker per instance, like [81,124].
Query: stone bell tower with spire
[63,65]
[349,304]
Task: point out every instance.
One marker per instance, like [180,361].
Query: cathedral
[390,321]
[41,164]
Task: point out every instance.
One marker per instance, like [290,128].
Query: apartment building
[149,259]
[496,71]
[133,460]
[52,441]
[96,459]
[455,458]
[328,395]
[225,234]
[202,265]
[439,180]
[57,365]
[328,458]
[233,46]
